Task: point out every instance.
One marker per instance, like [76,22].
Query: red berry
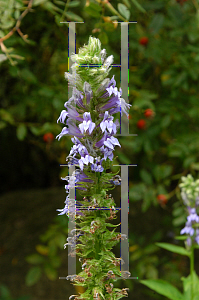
[162,199]
[149,113]
[141,124]
[143,41]
[48,137]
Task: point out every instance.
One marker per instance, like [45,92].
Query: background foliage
[163,76]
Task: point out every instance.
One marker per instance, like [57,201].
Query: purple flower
[108,123]
[111,82]
[197,236]
[62,116]
[116,102]
[85,160]
[73,114]
[77,98]
[188,229]
[62,133]
[75,178]
[189,242]
[87,123]
[68,209]
[74,130]
[193,216]
[97,167]
[116,180]
[78,147]
[111,142]
[108,153]
[108,141]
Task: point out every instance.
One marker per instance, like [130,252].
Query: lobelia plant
[97,99]
[190,197]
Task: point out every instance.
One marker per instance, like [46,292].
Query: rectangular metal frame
[124,131]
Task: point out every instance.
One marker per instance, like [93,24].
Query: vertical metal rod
[124,245]
[71,221]
[124,74]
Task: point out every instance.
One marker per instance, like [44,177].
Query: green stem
[192,269]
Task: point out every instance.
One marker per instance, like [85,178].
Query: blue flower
[85,160]
[108,153]
[87,123]
[62,133]
[69,208]
[97,167]
[108,123]
[62,116]
[188,229]
[77,98]
[116,180]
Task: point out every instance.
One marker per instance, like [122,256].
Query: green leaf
[74,4]
[36,130]
[6,24]
[154,5]
[179,220]
[162,171]
[17,14]
[28,76]
[181,237]
[1,35]
[146,177]
[156,23]
[95,6]
[6,116]
[60,240]
[188,284]
[38,2]
[51,273]
[166,120]
[5,293]
[111,225]
[35,259]
[138,6]
[173,248]
[140,103]
[137,191]
[46,92]
[72,16]
[123,11]
[178,211]
[33,276]
[180,78]
[188,161]
[93,10]
[163,288]
[21,132]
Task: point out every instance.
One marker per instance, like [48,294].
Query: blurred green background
[163,92]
